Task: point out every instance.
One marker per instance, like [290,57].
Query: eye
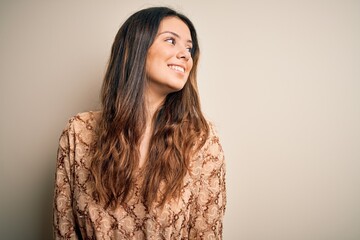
[190,49]
[171,40]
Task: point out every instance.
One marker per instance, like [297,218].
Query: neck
[153,102]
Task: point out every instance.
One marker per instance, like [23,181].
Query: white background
[280,80]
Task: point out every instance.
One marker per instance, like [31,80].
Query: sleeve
[210,202]
[64,222]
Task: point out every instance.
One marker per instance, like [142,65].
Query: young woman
[148,165]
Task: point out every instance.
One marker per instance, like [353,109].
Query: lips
[177,68]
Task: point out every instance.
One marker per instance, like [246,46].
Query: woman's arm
[209,208]
[64,223]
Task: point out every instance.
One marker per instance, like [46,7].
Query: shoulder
[212,129]
[82,121]
[81,126]
[212,144]
[211,154]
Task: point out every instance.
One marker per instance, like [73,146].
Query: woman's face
[169,61]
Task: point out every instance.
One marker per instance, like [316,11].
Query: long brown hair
[178,123]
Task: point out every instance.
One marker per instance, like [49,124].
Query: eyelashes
[172,41]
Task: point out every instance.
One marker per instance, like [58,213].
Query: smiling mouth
[177,68]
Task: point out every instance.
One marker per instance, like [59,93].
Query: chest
[133,219]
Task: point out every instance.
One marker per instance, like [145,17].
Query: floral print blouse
[197,214]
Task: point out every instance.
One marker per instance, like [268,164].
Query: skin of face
[169,60]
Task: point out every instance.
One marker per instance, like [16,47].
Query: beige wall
[280,79]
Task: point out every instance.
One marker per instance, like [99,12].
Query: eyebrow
[175,34]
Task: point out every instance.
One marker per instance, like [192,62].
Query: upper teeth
[177,68]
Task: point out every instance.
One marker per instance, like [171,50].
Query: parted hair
[178,124]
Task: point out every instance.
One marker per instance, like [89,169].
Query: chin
[176,88]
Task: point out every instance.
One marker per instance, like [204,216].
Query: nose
[184,54]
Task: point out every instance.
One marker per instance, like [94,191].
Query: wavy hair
[178,124]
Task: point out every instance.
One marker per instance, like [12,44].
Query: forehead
[176,25]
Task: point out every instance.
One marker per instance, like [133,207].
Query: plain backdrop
[279,79]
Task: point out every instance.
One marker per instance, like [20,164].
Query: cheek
[147,66]
[151,63]
[155,60]
[190,65]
